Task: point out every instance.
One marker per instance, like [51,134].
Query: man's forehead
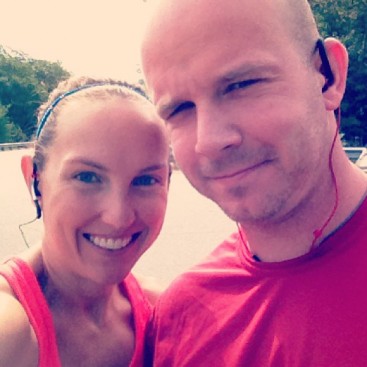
[166,11]
[174,22]
[179,40]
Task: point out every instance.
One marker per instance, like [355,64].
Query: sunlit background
[95,38]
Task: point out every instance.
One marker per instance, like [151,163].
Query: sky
[95,38]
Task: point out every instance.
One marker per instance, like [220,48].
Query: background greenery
[25,82]
[24,85]
[347,20]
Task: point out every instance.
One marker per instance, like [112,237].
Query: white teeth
[110,243]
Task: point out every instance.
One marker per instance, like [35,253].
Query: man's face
[244,109]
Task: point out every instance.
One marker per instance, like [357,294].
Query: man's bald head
[172,19]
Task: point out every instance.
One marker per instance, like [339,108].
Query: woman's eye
[87,177]
[145,180]
[182,107]
[240,85]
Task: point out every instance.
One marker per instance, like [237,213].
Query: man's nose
[215,132]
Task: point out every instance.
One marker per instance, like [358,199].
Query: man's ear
[27,170]
[338,60]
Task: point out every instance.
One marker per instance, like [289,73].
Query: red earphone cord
[318,232]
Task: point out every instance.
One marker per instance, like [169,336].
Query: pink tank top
[25,286]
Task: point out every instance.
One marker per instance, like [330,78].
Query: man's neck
[295,236]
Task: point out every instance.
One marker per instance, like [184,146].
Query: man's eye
[145,180]
[182,107]
[87,177]
[240,85]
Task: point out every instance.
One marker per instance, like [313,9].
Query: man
[249,95]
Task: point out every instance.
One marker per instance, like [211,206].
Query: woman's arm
[18,343]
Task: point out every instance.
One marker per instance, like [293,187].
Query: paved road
[193,224]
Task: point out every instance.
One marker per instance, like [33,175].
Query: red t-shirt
[234,311]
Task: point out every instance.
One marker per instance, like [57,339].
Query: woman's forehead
[104,121]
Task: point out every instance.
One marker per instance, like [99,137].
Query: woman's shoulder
[18,343]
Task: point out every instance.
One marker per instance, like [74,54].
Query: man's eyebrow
[247,70]
[165,108]
[244,70]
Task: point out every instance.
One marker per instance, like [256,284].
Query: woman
[99,178]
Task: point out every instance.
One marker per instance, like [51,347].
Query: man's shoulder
[203,276]
[224,256]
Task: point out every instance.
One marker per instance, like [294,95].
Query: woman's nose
[119,211]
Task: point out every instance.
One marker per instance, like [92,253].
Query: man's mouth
[242,171]
[110,243]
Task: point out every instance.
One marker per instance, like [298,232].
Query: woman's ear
[27,170]
[333,90]
[29,173]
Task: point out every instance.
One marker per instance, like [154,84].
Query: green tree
[347,20]
[24,85]
[48,73]
[9,132]
[3,124]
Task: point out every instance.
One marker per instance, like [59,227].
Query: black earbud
[325,65]
[38,208]
[36,193]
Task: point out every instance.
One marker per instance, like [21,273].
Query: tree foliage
[4,121]
[347,21]
[24,85]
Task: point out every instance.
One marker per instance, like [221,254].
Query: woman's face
[104,187]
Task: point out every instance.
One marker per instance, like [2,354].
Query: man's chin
[248,213]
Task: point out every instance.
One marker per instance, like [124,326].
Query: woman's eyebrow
[154,167]
[86,162]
